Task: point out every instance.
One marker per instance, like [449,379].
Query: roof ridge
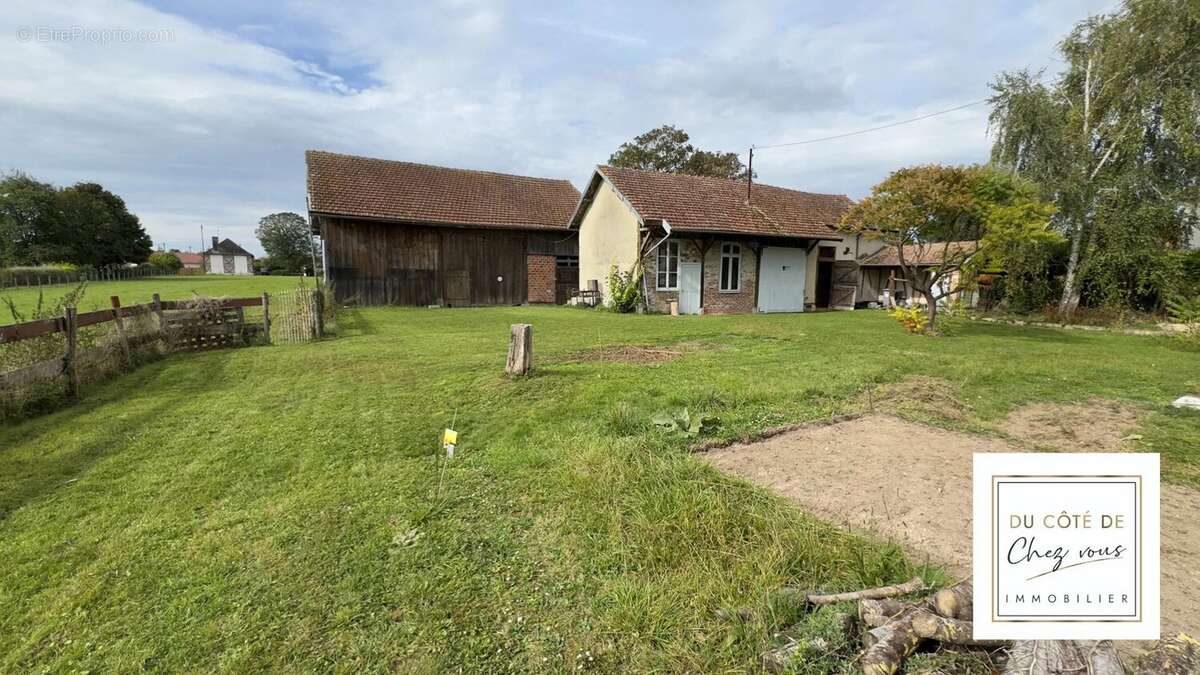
[715,179]
[486,172]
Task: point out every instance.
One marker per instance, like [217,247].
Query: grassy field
[97,293]
[277,508]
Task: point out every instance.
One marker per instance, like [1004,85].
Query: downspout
[646,284]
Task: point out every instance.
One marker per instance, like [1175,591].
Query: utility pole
[750,174]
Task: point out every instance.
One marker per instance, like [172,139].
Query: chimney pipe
[214,242]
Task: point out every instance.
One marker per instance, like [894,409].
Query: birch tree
[1130,83]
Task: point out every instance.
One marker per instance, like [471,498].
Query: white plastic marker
[449,440]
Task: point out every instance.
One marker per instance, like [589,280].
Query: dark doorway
[825,258]
[566,278]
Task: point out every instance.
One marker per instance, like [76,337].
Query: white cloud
[209,127]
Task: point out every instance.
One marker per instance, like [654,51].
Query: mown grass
[97,293]
[275,508]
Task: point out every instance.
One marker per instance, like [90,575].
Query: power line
[866,131]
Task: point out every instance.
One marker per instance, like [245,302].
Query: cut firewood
[954,602]
[911,586]
[891,643]
[875,613]
[949,631]
[1063,657]
[1177,655]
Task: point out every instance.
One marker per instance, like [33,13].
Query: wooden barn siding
[379,263]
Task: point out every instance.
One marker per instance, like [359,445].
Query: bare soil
[1095,426]
[635,353]
[911,483]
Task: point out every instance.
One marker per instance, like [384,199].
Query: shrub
[1186,310]
[913,319]
[625,289]
[165,261]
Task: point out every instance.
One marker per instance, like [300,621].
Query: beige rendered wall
[608,235]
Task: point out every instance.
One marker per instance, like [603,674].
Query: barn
[401,233]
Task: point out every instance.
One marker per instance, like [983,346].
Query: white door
[781,279]
[689,288]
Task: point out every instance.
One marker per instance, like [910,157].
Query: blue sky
[208,122]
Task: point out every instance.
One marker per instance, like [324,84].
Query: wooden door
[689,287]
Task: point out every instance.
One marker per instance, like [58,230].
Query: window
[668,266]
[731,268]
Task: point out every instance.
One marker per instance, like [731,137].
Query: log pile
[892,627]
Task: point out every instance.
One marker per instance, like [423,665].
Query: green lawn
[97,293]
[273,508]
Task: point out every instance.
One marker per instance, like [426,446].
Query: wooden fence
[173,325]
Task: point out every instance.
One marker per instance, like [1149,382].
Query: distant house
[712,248]
[191,261]
[226,257]
[414,234]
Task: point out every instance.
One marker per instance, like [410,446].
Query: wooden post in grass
[122,338]
[266,300]
[70,367]
[520,349]
[318,307]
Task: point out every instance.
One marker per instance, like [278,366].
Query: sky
[198,112]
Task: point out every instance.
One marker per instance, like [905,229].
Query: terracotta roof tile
[348,185]
[921,254]
[700,204]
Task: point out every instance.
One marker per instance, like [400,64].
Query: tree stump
[520,350]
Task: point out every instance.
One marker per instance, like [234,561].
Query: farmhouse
[226,257]
[413,234]
[713,246]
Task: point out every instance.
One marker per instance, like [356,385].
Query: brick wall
[656,300]
[713,300]
[540,275]
[728,302]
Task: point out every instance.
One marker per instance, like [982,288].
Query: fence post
[121,336]
[156,307]
[318,303]
[70,367]
[266,300]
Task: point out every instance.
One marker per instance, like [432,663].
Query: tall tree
[949,216]
[666,149]
[108,233]
[83,224]
[32,228]
[287,239]
[1121,116]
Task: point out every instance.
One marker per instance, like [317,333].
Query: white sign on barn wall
[1066,546]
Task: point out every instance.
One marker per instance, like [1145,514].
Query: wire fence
[39,277]
[296,316]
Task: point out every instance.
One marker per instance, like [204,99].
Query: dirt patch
[637,354]
[911,483]
[929,395]
[1095,426]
